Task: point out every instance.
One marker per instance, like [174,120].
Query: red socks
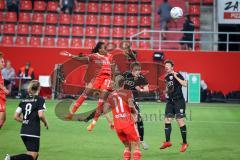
[137,155]
[126,155]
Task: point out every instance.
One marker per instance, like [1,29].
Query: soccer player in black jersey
[30,112]
[175,107]
[136,82]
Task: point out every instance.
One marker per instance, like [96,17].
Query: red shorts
[102,82]
[129,134]
[2,105]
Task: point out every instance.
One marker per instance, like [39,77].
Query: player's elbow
[184,83]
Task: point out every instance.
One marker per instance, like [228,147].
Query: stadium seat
[35,41]
[106,8]
[133,45]
[145,21]
[119,8]
[144,35]
[89,43]
[2,5]
[76,42]
[50,30]
[104,32]
[7,40]
[196,21]
[118,21]
[78,19]
[91,31]
[146,9]
[77,31]
[147,1]
[49,42]
[25,5]
[133,1]
[65,19]
[23,29]
[144,45]
[80,8]
[117,42]
[38,18]
[93,7]
[63,42]
[105,20]
[63,31]
[11,17]
[131,31]
[9,29]
[24,17]
[52,6]
[132,8]
[117,32]
[132,21]
[194,1]
[207,2]
[52,18]
[194,10]
[37,30]
[21,41]
[1,17]
[39,6]
[92,20]
[103,40]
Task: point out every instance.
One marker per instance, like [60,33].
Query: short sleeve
[41,104]
[180,76]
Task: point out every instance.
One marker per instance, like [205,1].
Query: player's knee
[181,122]
[168,120]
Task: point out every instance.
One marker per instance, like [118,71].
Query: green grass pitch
[213,134]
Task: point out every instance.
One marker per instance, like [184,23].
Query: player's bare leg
[2,118]
[135,147]
[168,129]
[127,151]
[183,130]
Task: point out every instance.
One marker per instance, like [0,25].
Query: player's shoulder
[127,74]
[40,99]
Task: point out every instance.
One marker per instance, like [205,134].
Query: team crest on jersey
[171,77]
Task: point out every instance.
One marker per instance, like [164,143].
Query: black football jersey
[174,88]
[29,108]
[131,82]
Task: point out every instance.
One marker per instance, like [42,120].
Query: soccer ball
[176,12]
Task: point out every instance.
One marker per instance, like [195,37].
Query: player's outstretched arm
[67,54]
[43,118]
[106,110]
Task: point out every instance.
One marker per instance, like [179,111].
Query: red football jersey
[118,100]
[2,93]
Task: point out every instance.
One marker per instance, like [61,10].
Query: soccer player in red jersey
[100,68]
[3,92]
[125,115]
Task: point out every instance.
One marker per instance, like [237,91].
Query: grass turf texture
[213,134]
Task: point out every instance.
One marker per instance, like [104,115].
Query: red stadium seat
[25,5]
[91,31]
[1,17]
[131,31]
[146,9]
[77,31]
[145,21]
[65,19]
[93,7]
[7,40]
[9,29]
[24,17]
[104,32]
[106,8]
[132,9]
[23,29]
[105,20]
[63,42]
[119,8]
[39,6]
[37,30]
[145,35]
[92,20]
[196,21]
[52,6]
[50,30]
[144,45]
[103,40]
[118,32]
[63,31]
[11,17]
[35,41]
[38,18]
[208,2]
[133,1]
[52,18]
[146,1]
[76,42]
[132,21]
[117,42]
[194,1]
[80,8]
[49,42]
[2,5]
[21,41]
[118,20]
[89,43]
[78,19]
[133,45]
[194,10]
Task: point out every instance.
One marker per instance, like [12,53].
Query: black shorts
[32,144]
[175,109]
